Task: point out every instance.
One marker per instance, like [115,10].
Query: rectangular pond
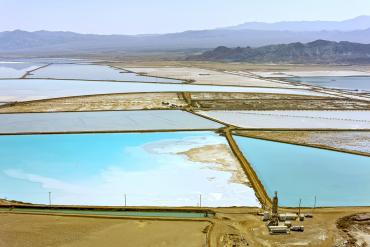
[103,121]
[54,60]
[15,69]
[93,72]
[352,141]
[100,169]
[36,89]
[335,178]
[293,119]
[353,83]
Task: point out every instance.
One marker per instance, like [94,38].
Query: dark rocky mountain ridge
[319,52]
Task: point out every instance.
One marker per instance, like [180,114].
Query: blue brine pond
[335,178]
[353,83]
[155,169]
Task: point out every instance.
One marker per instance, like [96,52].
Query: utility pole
[49,198]
[299,207]
[314,205]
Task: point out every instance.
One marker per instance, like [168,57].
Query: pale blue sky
[161,16]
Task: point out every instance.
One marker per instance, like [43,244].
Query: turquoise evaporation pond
[101,169]
[356,83]
[335,178]
[69,158]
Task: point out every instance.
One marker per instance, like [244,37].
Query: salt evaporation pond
[48,60]
[11,69]
[35,89]
[353,83]
[99,169]
[335,178]
[103,121]
[93,72]
[299,119]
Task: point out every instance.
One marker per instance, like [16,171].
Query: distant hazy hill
[358,23]
[18,40]
[46,42]
[320,51]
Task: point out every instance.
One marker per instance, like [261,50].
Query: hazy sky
[161,16]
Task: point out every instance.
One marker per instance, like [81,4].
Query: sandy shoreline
[222,157]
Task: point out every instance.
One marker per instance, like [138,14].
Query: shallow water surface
[354,83]
[35,89]
[93,72]
[337,179]
[103,121]
[99,169]
[11,69]
[293,119]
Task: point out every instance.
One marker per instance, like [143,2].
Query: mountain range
[358,23]
[317,52]
[248,34]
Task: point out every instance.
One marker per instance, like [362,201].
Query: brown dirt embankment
[130,101]
[256,184]
[41,231]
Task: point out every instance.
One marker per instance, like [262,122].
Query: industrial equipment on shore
[281,223]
